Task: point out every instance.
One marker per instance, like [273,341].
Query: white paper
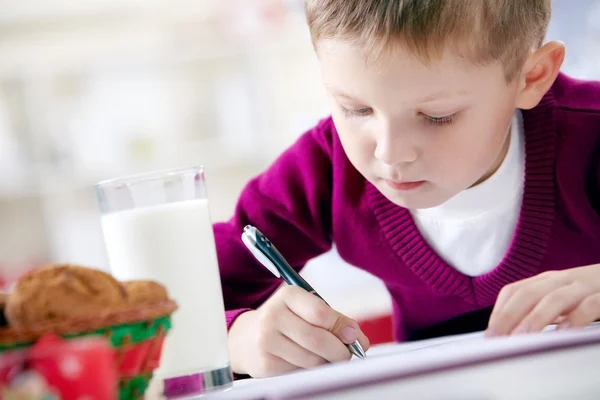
[408,359]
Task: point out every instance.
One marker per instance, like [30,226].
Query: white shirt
[473,230]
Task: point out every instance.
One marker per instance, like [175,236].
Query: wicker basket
[136,334]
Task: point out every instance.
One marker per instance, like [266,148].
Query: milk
[174,244]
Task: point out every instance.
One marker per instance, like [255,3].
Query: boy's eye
[445,120]
[361,112]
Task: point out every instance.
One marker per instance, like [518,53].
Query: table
[552,365]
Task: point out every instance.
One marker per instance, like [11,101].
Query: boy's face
[420,133]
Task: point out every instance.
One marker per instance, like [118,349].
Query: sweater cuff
[231,315]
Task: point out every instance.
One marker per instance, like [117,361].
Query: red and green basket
[134,338]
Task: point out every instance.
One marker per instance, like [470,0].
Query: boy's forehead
[347,73]
[394,55]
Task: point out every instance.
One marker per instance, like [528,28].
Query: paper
[410,359]
[441,343]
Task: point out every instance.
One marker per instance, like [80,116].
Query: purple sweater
[312,197]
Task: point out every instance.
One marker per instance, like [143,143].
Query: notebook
[406,360]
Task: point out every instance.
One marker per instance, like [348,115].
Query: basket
[136,336]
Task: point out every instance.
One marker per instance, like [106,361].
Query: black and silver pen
[268,255]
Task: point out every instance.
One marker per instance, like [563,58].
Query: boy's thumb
[345,329]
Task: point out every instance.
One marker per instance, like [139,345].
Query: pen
[268,255]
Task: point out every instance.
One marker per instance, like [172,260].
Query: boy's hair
[482,30]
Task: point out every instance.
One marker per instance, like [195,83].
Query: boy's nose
[393,150]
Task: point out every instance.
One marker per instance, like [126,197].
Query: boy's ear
[539,73]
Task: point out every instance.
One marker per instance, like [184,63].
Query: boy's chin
[422,198]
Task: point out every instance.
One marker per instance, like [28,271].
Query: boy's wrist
[237,340]
[232,315]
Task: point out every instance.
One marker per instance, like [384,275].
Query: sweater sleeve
[595,194]
[291,204]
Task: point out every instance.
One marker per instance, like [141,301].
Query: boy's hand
[570,298]
[293,329]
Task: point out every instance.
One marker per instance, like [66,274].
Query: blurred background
[100,88]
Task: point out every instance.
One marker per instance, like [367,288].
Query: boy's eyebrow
[442,95]
[339,93]
[427,99]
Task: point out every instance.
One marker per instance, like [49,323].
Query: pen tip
[357,350]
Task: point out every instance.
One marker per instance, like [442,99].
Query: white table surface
[564,373]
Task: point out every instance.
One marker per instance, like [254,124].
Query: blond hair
[482,30]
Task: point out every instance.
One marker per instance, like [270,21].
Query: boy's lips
[405,185]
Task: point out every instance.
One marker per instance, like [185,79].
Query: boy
[459,166]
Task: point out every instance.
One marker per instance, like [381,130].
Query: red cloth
[60,369]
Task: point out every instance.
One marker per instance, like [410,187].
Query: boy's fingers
[295,354]
[364,341]
[270,365]
[508,291]
[316,312]
[585,313]
[314,339]
[308,307]
[519,300]
[561,301]
[559,320]
[346,329]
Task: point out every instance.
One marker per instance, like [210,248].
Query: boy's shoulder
[324,133]
[325,126]
[576,95]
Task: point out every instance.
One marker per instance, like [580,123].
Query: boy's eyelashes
[363,112]
[445,120]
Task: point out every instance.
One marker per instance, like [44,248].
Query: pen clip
[249,239]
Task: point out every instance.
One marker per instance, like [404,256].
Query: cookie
[145,292]
[63,292]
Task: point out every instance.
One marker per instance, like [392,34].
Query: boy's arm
[291,204]
[595,194]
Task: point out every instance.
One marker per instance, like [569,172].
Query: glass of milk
[156,226]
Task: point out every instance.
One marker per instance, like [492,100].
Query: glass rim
[148,176]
